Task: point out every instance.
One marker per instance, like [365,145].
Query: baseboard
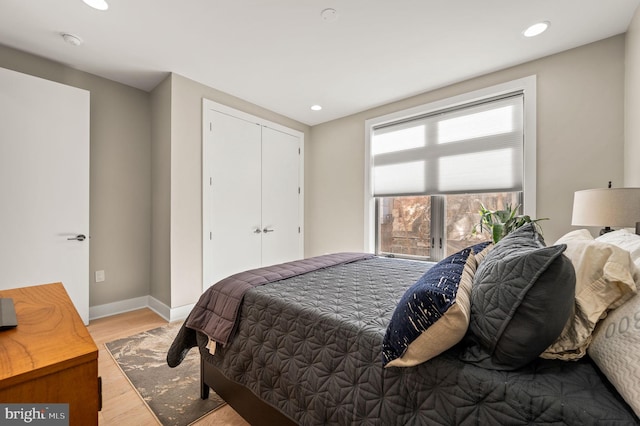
[122,306]
[159,308]
[170,314]
[118,307]
[181,312]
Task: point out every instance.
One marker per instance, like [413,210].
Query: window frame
[526,85]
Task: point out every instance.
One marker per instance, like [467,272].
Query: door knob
[79,237]
[257,231]
[265,230]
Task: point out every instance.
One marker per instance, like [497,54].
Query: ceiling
[283,56]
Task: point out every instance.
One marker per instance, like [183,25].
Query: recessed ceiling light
[316,107]
[97,4]
[536,29]
[72,39]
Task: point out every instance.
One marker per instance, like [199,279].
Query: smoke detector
[97,4]
[329,15]
[72,39]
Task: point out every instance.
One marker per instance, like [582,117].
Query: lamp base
[607,229]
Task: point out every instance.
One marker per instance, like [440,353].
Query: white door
[280,197]
[44,185]
[235,213]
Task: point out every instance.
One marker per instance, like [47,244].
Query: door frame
[207,244]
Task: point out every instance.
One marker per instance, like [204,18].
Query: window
[430,168]
[408,226]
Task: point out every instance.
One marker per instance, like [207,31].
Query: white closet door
[235,171]
[280,197]
[252,172]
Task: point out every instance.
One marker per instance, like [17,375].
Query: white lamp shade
[619,207]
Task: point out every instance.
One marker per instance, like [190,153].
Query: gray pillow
[522,296]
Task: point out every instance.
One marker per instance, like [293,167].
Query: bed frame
[241,399]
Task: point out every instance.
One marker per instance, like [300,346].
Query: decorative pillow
[522,297]
[433,314]
[604,280]
[615,346]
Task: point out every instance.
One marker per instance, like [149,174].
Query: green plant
[502,222]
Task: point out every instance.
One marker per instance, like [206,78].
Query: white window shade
[471,148]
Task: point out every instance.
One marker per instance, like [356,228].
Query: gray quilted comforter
[216,312]
[311,346]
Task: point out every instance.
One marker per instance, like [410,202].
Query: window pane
[463,216]
[404,225]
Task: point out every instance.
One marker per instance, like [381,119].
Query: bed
[316,347]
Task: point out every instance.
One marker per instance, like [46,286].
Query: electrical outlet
[100,277]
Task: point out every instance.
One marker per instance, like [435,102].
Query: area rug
[172,394]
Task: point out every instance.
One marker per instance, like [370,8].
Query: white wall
[632,104]
[580,143]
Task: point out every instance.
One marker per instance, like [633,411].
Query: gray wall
[146,161]
[160,286]
[185,184]
[580,143]
[145,182]
[632,104]
[120,173]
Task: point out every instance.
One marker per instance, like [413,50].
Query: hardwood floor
[121,404]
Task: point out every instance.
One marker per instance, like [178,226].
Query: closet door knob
[265,230]
[257,231]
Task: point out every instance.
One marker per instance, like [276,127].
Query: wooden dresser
[50,356]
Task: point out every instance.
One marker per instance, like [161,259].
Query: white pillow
[625,240]
[615,346]
[604,280]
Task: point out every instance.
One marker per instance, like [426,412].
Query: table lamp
[607,207]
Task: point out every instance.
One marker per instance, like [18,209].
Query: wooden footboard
[241,399]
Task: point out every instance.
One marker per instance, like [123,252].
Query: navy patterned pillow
[433,314]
